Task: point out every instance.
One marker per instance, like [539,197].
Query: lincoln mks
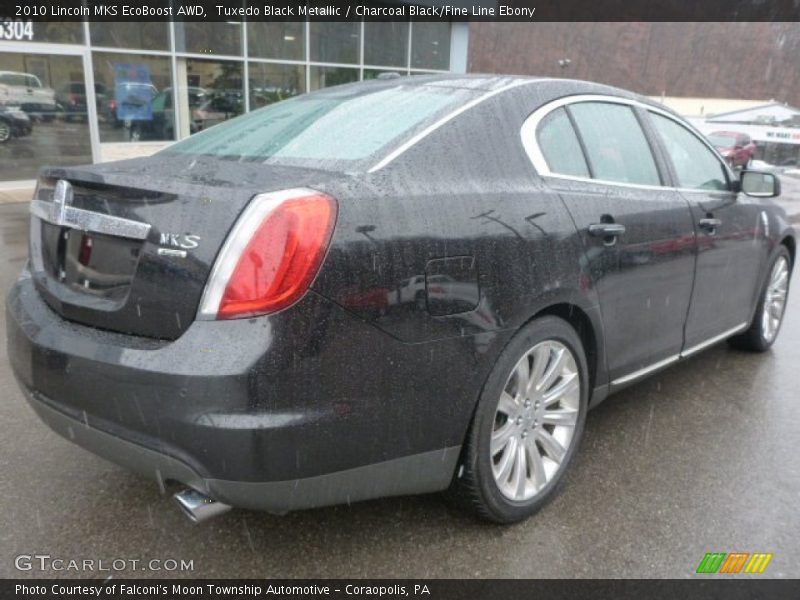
[391,287]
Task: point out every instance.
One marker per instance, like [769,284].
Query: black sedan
[13,123]
[389,287]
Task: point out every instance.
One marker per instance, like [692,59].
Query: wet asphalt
[702,457]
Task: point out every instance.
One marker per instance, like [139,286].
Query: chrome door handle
[606,229]
[710,224]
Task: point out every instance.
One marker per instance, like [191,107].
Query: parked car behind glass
[737,148]
[71,99]
[14,122]
[27,92]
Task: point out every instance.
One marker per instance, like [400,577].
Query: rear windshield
[329,129]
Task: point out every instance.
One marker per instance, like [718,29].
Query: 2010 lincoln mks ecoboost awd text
[390,287]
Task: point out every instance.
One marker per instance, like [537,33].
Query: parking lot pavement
[54,142]
[702,457]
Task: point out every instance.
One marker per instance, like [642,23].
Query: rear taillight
[271,256]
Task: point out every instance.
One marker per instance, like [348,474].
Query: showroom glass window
[560,146]
[335,42]
[430,45]
[44,110]
[127,89]
[322,77]
[276,40]
[212,90]
[386,43]
[224,37]
[68,32]
[148,35]
[270,83]
[695,164]
[616,147]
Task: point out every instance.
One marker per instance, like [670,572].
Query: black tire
[754,338]
[475,486]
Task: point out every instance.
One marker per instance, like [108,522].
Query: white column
[180,99]
[459,46]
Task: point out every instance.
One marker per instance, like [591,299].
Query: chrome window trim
[90,221]
[531,143]
[646,370]
[449,117]
[675,357]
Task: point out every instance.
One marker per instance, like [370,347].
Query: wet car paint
[266,399]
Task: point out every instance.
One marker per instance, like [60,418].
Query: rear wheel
[528,423]
[5,132]
[771,306]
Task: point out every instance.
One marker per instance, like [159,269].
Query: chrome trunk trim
[86,220]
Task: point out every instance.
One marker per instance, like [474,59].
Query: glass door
[43,113]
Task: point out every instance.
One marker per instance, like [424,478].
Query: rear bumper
[240,410]
[407,475]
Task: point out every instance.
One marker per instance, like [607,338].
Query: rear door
[637,233]
[731,236]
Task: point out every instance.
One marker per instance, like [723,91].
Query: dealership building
[98,91]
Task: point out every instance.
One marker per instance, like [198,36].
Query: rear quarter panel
[467,190]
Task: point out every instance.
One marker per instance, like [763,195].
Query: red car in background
[737,148]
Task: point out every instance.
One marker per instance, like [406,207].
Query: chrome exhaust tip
[199,507]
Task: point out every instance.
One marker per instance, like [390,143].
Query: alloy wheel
[775,299]
[535,420]
[5,132]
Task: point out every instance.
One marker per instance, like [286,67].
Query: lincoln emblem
[62,198]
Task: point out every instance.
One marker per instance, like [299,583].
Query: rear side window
[696,166]
[559,145]
[616,146]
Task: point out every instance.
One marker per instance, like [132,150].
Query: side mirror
[760,184]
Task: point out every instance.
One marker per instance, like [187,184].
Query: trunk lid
[135,249]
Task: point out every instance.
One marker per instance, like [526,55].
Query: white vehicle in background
[27,92]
